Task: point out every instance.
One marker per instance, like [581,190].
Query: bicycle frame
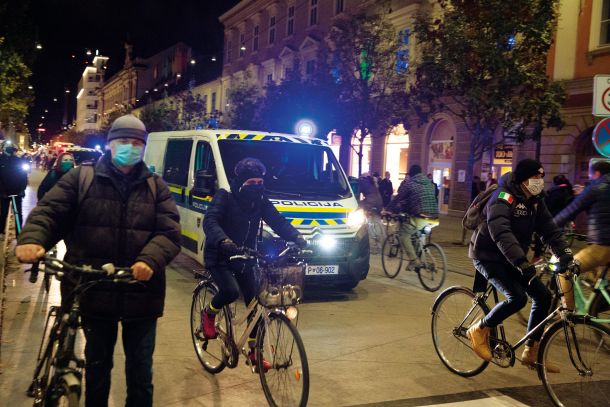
[259,314]
[583,303]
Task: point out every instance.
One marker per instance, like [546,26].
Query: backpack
[85,179]
[474,215]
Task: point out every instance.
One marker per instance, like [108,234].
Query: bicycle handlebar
[251,254]
[56,266]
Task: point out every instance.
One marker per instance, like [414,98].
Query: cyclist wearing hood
[232,221]
[499,251]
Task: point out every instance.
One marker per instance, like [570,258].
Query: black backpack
[475,215]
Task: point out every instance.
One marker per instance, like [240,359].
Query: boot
[208,324]
[529,358]
[479,336]
[252,358]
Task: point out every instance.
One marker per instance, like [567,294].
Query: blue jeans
[138,344]
[509,281]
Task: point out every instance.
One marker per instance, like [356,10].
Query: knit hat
[248,168]
[526,169]
[128,126]
[414,170]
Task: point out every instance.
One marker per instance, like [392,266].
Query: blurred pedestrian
[13,181]
[435,186]
[386,189]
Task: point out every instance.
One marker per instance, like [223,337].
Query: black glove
[302,243]
[565,259]
[528,271]
[228,248]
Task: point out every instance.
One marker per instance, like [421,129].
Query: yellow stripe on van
[189,234]
[331,221]
[175,189]
[204,198]
[296,222]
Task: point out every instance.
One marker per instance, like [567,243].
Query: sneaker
[252,358]
[414,265]
[208,324]
[479,336]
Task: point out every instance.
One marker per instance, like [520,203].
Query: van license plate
[321,270]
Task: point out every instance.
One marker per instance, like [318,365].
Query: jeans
[410,226]
[138,344]
[593,260]
[5,203]
[509,281]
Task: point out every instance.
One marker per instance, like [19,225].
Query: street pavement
[368,347]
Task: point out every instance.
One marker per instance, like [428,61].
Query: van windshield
[293,170]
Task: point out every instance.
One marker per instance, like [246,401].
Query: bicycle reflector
[292,313]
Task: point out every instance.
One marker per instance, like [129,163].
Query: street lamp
[193,62]
[38,45]
[305,128]
[214,59]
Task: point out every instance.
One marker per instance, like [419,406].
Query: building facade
[87,97]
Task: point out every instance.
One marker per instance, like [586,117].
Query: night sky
[70,27]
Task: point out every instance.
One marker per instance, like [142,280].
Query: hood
[420,179]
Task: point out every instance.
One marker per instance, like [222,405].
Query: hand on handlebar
[528,271]
[29,253]
[142,271]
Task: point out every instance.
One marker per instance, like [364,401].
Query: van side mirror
[205,183]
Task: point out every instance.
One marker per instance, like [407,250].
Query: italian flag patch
[507,197]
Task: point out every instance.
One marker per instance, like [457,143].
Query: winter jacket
[511,220]
[226,218]
[558,198]
[13,179]
[118,222]
[386,190]
[415,197]
[596,200]
[372,198]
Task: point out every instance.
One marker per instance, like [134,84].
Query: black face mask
[251,193]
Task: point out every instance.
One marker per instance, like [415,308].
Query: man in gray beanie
[122,215]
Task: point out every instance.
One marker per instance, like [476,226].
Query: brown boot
[529,358]
[479,336]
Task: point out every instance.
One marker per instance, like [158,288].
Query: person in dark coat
[232,221]
[595,199]
[13,181]
[120,219]
[386,189]
[64,163]
[499,251]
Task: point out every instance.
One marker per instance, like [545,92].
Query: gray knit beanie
[128,126]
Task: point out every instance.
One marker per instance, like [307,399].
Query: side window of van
[205,169]
[177,161]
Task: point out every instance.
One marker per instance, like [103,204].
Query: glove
[228,248]
[528,271]
[566,258]
[302,243]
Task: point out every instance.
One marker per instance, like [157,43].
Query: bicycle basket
[281,286]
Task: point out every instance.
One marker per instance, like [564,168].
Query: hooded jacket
[415,197]
[118,222]
[230,217]
[511,220]
[596,200]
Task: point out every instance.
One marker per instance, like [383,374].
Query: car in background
[84,154]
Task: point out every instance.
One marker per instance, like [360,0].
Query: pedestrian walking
[13,181]
[386,189]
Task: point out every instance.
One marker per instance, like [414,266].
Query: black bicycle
[274,311]
[59,371]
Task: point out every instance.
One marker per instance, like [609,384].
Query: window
[269,78]
[177,161]
[213,101]
[204,102]
[402,55]
[339,6]
[255,39]
[310,67]
[604,37]
[272,30]
[242,44]
[229,51]
[290,27]
[205,169]
[313,12]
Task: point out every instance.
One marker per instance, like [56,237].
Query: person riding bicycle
[595,199]
[416,198]
[64,163]
[499,248]
[125,216]
[232,221]
[372,204]
[13,181]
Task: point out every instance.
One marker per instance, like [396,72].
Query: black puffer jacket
[596,200]
[13,179]
[117,222]
[511,219]
[226,217]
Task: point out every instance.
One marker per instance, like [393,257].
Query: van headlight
[25,167]
[356,218]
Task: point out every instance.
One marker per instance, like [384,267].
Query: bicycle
[433,263]
[575,343]
[376,229]
[59,371]
[277,338]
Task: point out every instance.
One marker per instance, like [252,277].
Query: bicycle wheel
[210,352]
[579,348]
[392,255]
[375,234]
[287,382]
[63,395]
[453,312]
[434,267]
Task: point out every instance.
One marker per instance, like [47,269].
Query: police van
[304,181]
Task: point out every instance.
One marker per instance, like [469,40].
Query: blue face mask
[127,154]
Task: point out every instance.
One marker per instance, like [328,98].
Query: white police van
[304,181]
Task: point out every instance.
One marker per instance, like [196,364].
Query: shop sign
[503,155]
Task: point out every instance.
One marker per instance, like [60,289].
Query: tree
[160,116]
[484,61]
[244,99]
[193,111]
[15,97]
[368,63]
